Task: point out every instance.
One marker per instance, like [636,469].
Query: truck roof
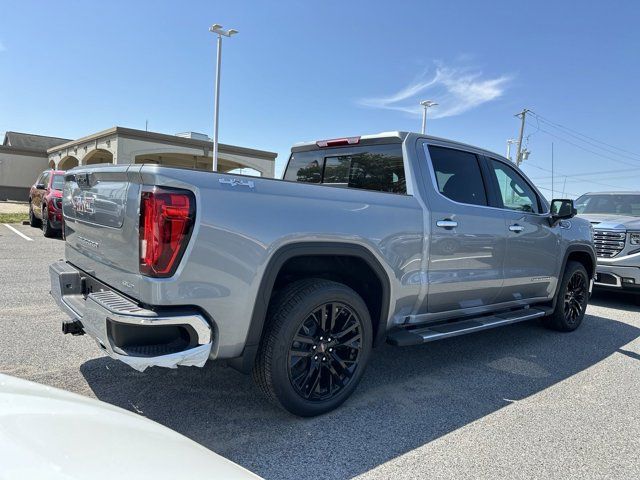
[400,136]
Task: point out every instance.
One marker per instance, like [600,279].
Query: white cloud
[455,90]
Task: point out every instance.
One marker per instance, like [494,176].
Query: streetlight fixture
[218,30]
[426,104]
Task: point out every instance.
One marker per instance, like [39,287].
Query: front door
[468,238]
[531,261]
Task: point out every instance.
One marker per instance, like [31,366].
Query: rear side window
[458,175]
[378,167]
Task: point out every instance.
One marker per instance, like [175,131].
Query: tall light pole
[217,29]
[510,142]
[426,104]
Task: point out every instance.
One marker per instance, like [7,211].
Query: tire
[316,373]
[572,300]
[47,231]
[33,220]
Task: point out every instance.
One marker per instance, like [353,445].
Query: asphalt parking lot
[516,402]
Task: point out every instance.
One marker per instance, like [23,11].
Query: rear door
[531,261]
[468,238]
[36,201]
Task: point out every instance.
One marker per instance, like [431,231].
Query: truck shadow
[408,397]
[618,300]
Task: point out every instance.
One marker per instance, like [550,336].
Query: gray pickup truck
[394,237]
[616,220]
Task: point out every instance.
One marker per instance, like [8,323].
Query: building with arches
[120,145]
[24,156]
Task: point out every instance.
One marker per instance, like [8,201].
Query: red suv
[45,202]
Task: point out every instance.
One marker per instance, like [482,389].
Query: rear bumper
[618,278]
[137,336]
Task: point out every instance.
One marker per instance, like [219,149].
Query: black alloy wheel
[325,352]
[574,297]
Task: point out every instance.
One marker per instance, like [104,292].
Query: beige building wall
[19,169]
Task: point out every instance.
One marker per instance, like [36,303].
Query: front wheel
[572,300]
[315,347]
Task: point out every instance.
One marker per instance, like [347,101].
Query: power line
[576,179]
[590,151]
[577,135]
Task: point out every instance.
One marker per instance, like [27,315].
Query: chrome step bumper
[416,336]
[104,313]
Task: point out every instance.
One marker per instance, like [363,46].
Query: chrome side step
[403,337]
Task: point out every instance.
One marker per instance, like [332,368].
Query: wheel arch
[308,250]
[579,253]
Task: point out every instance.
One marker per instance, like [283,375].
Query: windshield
[615,204]
[58,182]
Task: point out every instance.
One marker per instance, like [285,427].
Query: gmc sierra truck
[616,220]
[394,237]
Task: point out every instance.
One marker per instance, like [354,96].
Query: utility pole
[217,29]
[522,115]
[510,142]
[552,174]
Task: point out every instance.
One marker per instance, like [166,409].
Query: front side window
[58,182]
[514,191]
[458,175]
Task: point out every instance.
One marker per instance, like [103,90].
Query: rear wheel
[572,300]
[33,220]
[47,230]
[315,347]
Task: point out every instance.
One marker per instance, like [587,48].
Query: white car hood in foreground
[46,433]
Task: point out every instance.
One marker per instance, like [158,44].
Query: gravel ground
[515,402]
[14,207]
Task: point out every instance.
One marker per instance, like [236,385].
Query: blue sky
[309,70]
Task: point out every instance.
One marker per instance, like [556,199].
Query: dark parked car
[45,202]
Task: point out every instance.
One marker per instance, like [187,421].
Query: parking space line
[18,232]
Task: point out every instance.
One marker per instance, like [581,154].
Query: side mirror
[562,209]
[40,186]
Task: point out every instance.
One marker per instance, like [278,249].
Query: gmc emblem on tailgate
[82,204]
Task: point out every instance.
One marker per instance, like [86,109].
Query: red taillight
[338,142]
[166,220]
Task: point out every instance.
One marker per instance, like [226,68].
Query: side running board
[404,337]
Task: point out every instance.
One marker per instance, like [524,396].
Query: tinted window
[618,204]
[58,182]
[458,175]
[379,168]
[304,167]
[515,192]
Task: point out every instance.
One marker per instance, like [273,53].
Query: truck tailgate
[100,206]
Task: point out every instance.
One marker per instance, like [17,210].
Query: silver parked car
[394,237]
[616,220]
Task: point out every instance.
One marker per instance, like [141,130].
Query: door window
[458,175]
[514,191]
[45,180]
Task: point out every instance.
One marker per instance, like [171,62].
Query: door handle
[516,228]
[447,223]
